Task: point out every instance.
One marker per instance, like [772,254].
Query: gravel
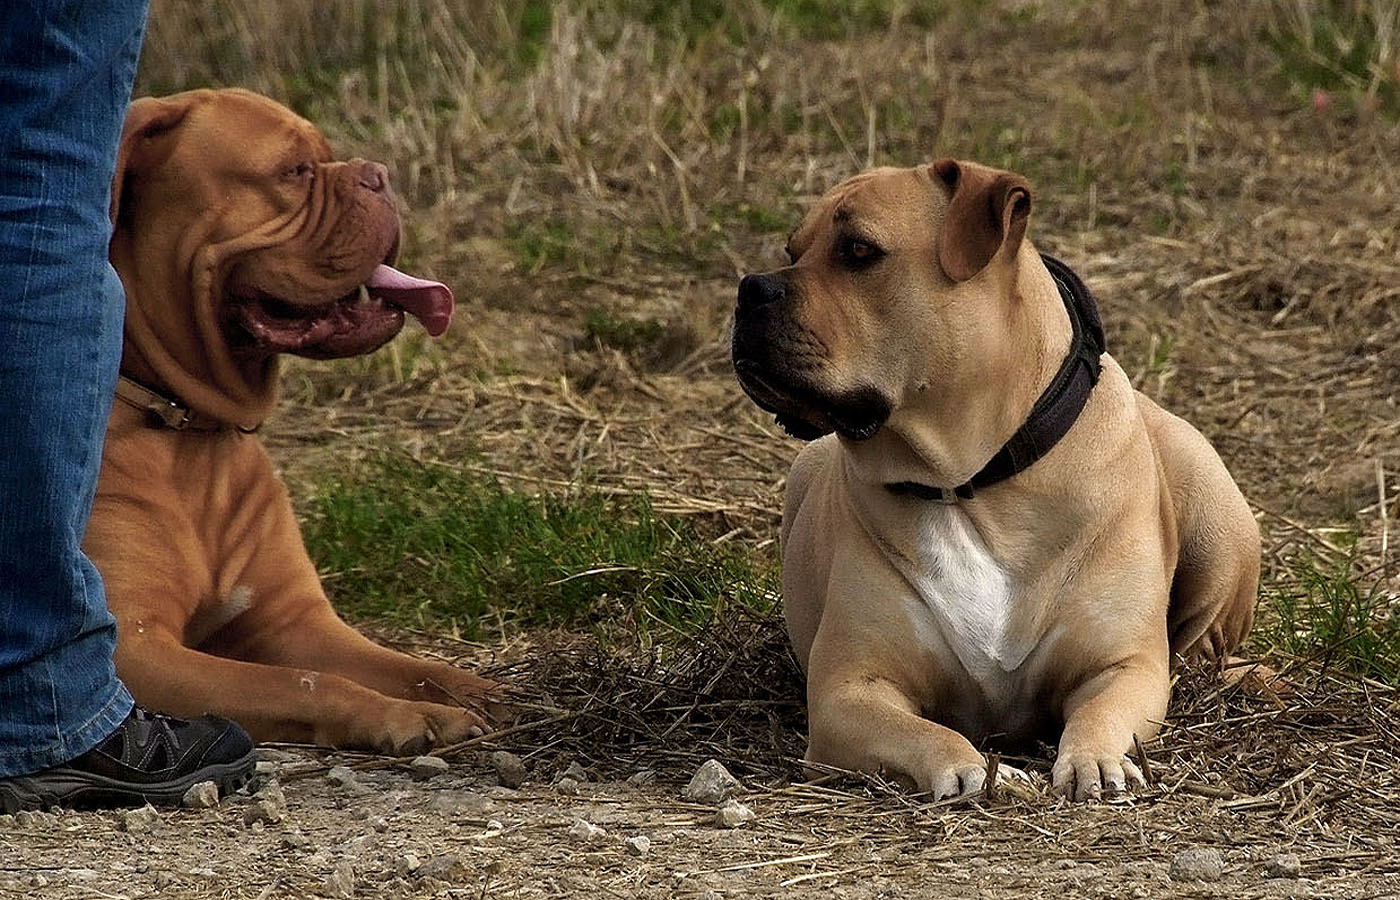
[732,814]
[586,832]
[510,769]
[424,767]
[1284,865]
[341,881]
[201,796]
[345,778]
[136,821]
[711,784]
[1197,864]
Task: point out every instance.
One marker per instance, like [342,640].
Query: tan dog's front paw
[1082,776]
[410,729]
[963,778]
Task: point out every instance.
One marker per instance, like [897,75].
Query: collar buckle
[172,415]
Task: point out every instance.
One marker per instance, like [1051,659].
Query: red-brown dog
[238,239]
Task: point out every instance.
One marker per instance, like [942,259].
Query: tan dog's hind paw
[1093,776]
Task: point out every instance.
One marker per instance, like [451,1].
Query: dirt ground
[1245,249]
[461,835]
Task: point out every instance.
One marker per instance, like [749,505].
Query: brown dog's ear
[987,210]
[148,121]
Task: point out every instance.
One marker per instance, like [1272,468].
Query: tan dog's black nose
[760,290]
[374,176]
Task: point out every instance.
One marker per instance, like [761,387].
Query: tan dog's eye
[855,252]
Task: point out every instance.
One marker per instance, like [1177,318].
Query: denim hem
[71,746]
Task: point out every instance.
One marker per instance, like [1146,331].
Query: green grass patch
[430,544]
[627,335]
[1326,615]
[1346,47]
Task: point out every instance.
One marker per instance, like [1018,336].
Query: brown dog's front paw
[1082,776]
[451,686]
[411,729]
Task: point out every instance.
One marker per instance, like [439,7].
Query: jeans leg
[66,70]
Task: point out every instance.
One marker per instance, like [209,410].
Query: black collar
[1056,409]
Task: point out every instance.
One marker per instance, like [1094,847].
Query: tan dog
[238,238]
[1002,540]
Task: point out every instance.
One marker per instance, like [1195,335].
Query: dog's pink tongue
[430,302]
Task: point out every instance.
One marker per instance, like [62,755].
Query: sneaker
[150,758]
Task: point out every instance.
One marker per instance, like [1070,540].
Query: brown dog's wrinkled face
[890,252]
[295,249]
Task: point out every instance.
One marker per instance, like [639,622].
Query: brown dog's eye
[792,257]
[299,172]
[855,252]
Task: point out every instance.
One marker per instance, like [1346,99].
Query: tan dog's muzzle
[781,366]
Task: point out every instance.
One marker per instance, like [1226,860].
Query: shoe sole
[80,790]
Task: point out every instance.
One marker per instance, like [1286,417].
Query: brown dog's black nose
[374,176]
[760,290]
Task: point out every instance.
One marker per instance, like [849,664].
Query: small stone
[345,778]
[138,820]
[585,831]
[575,771]
[341,881]
[638,844]
[378,823]
[447,867]
[263,810]
[460,803]
[1285,865]
[732,814]
[26,818]
[495,825]
[1197,864]
[567,786]
[201,796]
[642,778]
[264,770]
[39,880]
[272,793]
[712,784]
[510,769]
[408,863]
[424,767]
[296,840]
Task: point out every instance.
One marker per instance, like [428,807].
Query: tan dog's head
[239,238]
[900,291]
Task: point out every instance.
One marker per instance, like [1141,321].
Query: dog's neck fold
[948,431]
[175,345]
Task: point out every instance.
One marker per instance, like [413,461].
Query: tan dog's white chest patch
[963,596]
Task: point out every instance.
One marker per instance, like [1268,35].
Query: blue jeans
[66,70]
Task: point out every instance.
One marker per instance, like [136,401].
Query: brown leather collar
[166,412]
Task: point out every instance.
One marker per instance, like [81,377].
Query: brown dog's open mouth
[356,323]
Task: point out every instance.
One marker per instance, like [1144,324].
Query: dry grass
[1242,242]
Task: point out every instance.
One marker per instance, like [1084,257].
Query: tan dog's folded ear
[148,120]
[987,210]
